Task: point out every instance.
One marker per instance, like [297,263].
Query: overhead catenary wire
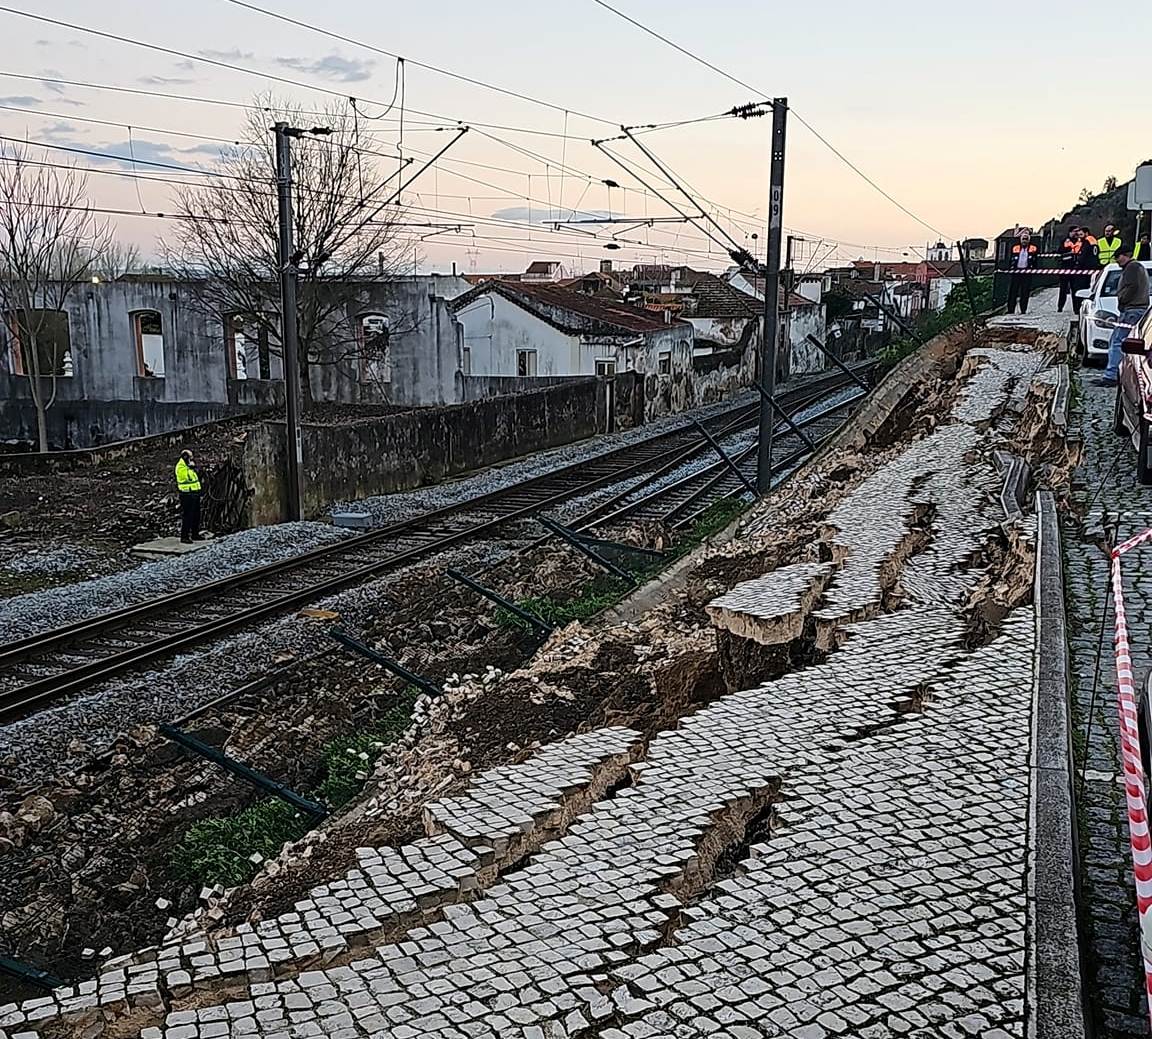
[420,64]
[246,189]
[796,115]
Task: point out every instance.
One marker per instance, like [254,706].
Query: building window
[374,332]
[664,363]
[148,333]
[525,363]
[466,360]
[49,330]
[249,353]
[605,368]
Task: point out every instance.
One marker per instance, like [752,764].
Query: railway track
[677,495]
[50,665]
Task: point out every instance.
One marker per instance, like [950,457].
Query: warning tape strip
[1132,542]
[1059,272]
[1133,765]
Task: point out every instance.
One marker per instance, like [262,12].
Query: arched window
[246,340]
[49,330]
[374,332]
[148,334]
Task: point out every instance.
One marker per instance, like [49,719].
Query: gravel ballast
[25,615]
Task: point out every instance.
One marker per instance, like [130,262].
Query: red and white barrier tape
[1057,271]
[1133,764]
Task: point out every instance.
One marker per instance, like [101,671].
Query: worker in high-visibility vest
[1108,244]
[188,484]
[1143,248]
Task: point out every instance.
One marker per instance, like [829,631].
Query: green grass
[713,520]
[597,595]
[218,851]
[956,311]
[346,760]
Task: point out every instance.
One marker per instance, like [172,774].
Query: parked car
[1133,418]
[1098,312]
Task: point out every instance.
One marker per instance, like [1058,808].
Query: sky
[931,103]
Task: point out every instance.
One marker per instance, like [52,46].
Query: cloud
[542,214]
[187,66]
[164,81]
[56,43]
[59,133]
[20,101]
[332,66]
[235,54]
[58,90]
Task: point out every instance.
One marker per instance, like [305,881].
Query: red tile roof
[605,315]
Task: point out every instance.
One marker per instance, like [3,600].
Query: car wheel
[1118,426]
[1143,443]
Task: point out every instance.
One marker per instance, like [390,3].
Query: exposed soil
[109,505]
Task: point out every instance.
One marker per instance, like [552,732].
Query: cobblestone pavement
[1110,928]
[839,852]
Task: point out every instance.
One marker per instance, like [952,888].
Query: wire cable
[756,90]
[419,64]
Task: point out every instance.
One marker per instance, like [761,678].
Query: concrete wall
[401,451]
[721,331]
[107,398]
[425,341]
[87,423]
[806,321]
[478,387]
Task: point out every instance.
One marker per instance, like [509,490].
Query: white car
[1098,312]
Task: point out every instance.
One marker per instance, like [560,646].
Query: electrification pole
[771,295]
[288,318]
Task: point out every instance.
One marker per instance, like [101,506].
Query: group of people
[1080,254]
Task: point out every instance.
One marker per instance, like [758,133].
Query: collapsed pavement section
[835,838]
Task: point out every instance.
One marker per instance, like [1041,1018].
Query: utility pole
[288,319]
[771,295]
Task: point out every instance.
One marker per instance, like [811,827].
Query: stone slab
[164,548]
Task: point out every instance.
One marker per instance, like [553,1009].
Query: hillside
[1107,207]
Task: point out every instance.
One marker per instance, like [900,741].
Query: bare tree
[226,241]
[116,259]
[50,240]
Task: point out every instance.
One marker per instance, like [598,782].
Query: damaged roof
[549,302]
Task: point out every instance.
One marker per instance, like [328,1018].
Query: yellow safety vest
[187,479]
[1108,247]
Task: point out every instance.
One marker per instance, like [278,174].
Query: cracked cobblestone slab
[472,836]
[892,907]
[868,793]
[771,609]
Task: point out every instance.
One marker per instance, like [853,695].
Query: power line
[799,118]
[419,64]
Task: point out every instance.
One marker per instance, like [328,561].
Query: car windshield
[1111,283]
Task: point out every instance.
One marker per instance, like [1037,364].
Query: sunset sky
[932,103]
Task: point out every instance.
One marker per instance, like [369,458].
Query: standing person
[1132,299]
[1143,248]
[1109,245]
[1023,259]
[188,484]
[1070,261]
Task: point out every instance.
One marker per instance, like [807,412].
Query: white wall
[721,331]
[496,328]
[938,290]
